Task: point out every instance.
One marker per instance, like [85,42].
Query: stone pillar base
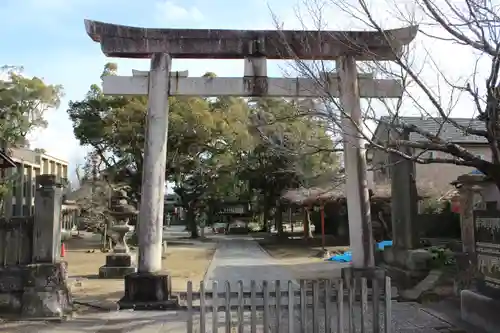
[53,304]
[35,291]
[118,265]
[406,267]
[148,291]
[108,272]
[480,310]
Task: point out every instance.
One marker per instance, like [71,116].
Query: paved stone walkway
[240,258]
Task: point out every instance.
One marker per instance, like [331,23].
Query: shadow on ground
[87,241]
[290,248]
[103,303]
[246,272]
[87,276]
[84,241]
[113,322]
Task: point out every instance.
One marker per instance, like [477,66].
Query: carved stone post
[47,227]
[466,218]
[470,187]
[406,263]
[45,292]
[404,200]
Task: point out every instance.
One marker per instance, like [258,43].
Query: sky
[47,38]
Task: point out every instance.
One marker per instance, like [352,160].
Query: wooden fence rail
[269,307]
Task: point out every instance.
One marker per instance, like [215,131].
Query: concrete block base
[119,260]
[118,265]
[406,267]
[35,291]
[148,291]
[107,272]
[480,310]
[46,304]
[404,278]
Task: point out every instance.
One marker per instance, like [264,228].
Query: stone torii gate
[148,288]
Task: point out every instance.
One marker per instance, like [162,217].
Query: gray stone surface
[404,201]
[122,321]
[425,285]
[47,226]
[406,267]
[117,266]
[148,291]
[241,258]
[116,42]
[115,272]
[34,284]
[480,310]
[34,291]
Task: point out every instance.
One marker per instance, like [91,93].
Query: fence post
[368,279]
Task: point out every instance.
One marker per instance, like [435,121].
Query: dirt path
[185,260]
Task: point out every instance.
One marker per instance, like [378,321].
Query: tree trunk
[387,231]
[210,214]
[266,217]
[307,224]
[278,220]
[191,222]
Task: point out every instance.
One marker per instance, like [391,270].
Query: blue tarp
[347,256]
[344,257]
[383,244]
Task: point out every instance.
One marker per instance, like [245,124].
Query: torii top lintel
[133,42]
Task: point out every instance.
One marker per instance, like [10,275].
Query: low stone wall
[16,241]
[32,275]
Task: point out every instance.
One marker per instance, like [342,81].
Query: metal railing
[360,301]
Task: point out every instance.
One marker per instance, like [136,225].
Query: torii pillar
[149,288]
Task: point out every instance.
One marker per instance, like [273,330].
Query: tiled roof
[447,131]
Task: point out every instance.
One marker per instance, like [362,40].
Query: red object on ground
[63,250]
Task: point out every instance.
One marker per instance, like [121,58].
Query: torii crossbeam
[133,42]
[138,84]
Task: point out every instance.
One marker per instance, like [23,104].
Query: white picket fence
[358,302]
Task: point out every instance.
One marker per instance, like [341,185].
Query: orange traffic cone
[63,250]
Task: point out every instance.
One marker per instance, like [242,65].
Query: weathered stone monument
[32,275]
[407,264]
[472,192]
[480,223]
[149,287]
[120,262]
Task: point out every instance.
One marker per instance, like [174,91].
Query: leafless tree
[93,195]
[471,28]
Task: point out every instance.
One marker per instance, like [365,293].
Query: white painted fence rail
[313,306]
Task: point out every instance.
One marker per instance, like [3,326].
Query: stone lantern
[119,262]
